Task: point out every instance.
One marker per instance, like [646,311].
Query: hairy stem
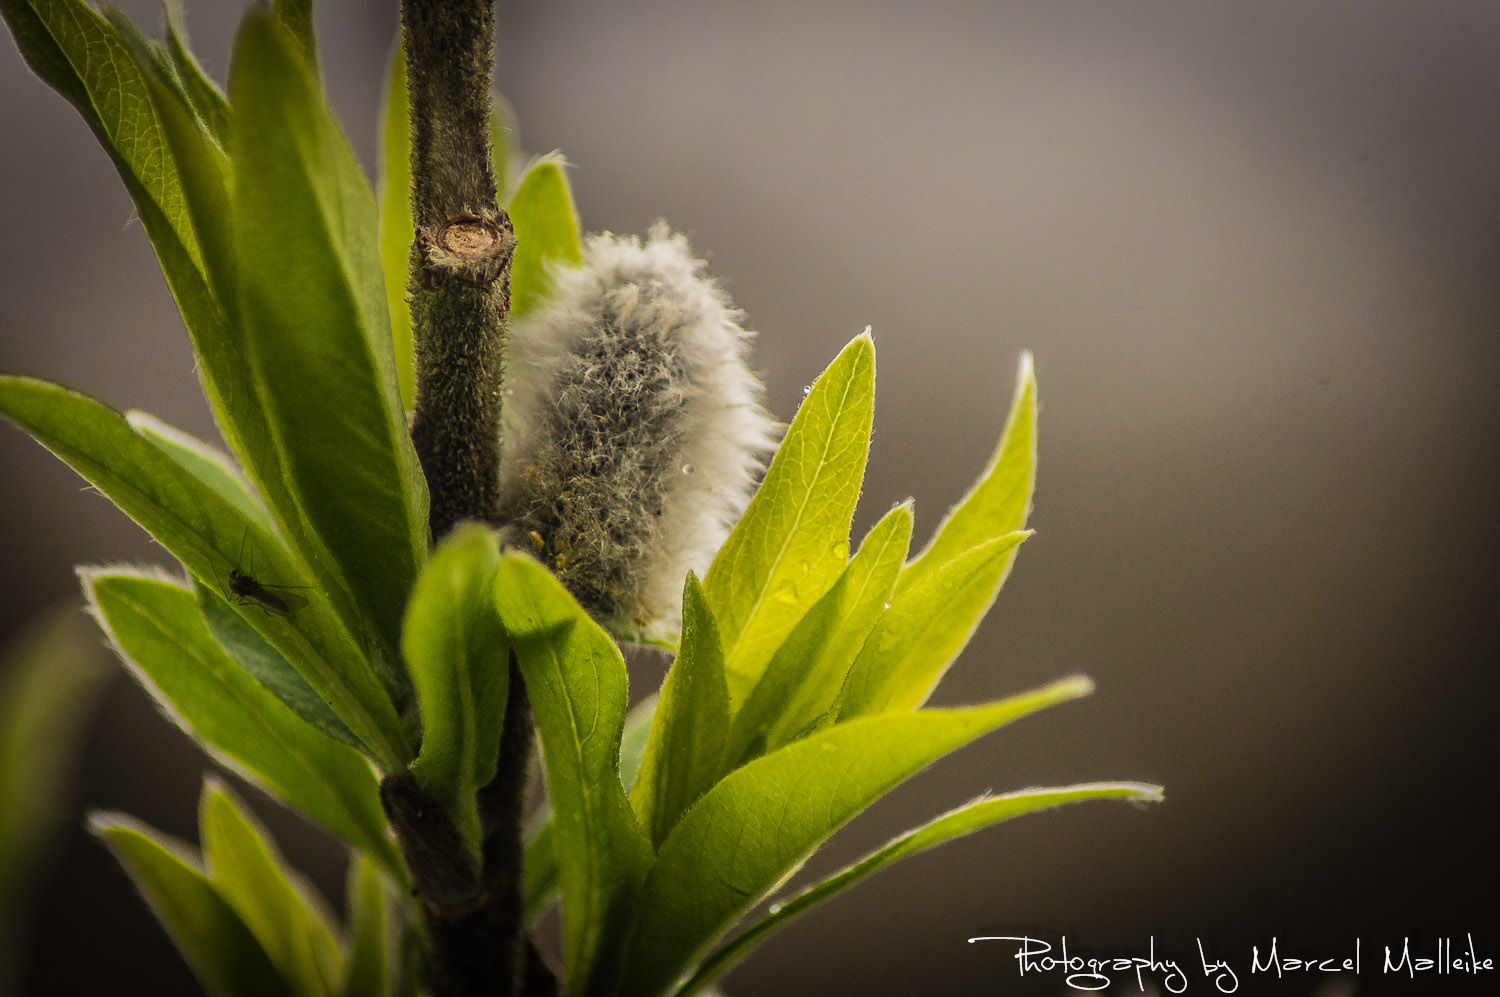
[460,299]
[460,272]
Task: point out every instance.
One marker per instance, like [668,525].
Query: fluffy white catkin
[633,429]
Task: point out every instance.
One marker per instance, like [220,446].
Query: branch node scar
[469,238]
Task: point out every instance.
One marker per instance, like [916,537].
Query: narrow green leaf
[546,223]
[793,540]
[157,628]
[685,751]
[50,681]
[210,537]
[206,463]
[149,56]
[915,641]
[638,724]
[505,147]
[756,827]
[540,861]
[166,144]
[456,652]
[168,168]
[268,666]
[1000,500]
[203,93]
[297,17]
[373,966]
[48,57]
[393,188]
[204,286]
[539,870]
[220,949]
[955,824]
[205,173]
[84,57]
[334,458]
[204,177]
[803,680]
[75,49]
[279,906]
[577,683]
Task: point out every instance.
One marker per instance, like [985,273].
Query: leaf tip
[1025,394]
[513,559]
[1026,368]
[1072,687]
[859,354]
[103,823]
[1147,793]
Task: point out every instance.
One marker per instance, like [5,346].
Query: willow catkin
[633,429]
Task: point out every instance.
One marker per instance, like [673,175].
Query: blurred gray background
[1254,247]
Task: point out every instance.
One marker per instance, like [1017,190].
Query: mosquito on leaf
[247,589]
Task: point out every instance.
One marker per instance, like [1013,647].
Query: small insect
[246,589]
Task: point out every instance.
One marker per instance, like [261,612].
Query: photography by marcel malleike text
[1422,961]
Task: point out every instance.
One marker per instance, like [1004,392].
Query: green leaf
[297,17]
[955,824]
[456,653]
[203,94]
[50,682]
[157,628]
[206,463]
[685,751]
[539,869]
[171,168]
[211,539]
[546,223]
[925,628]
[759,824]
[540,862]
[505,147]
[793,540]
[577,683]
[223,954]
[204,177]
[268,666]
[280,907]
[803,680]
[393,187]
[205,287]
[1000,500]
[76,50]
[333,456]
[150,56]
[373,966]
[638,724]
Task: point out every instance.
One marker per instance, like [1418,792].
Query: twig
[460,300]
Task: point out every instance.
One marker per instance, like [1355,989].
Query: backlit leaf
[577,683]
[755,827]
[793,540]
